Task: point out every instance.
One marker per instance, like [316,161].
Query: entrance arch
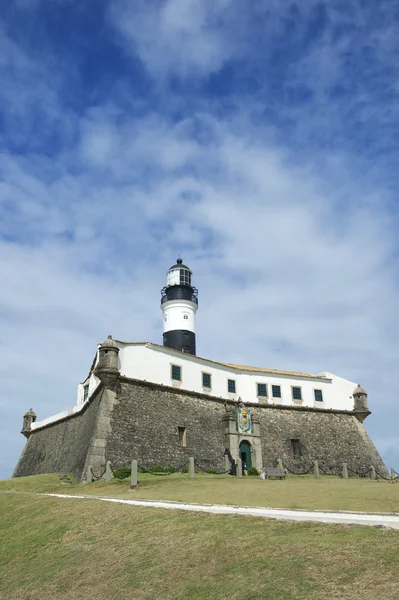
[245,455]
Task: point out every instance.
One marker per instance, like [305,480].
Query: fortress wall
[145,425]
[60,447]
[141,422]
[146,418]
[330,438]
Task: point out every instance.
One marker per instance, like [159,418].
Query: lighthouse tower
[179,303]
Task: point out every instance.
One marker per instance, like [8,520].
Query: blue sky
[258,140]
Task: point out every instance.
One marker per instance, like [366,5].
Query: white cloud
[177,36]
[285,280]
[295,256]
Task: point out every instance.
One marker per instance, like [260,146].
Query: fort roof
[236,367]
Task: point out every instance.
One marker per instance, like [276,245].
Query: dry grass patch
[74,549]
[327,493]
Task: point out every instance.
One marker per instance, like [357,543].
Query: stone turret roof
[359,390]
[109,343]
[30,413]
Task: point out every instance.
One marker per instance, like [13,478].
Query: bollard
[392,474]
[133,475]
[316,469]
[372,472]
[227,465]
[89,475]
[239,468]
[108,471]
[191,471]
[345,471]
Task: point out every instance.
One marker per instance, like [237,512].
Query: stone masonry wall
[145,425]
[330,438]
[140,421]
[145,421]
[60,447]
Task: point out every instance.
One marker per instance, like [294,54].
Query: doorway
[245,455]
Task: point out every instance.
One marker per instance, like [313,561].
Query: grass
[82,549]
[326,493]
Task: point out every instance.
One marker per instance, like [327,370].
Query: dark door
[245,454]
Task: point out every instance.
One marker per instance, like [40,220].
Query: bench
[274,472]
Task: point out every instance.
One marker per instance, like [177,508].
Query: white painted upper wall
[150,362]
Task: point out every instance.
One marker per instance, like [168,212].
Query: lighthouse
[179,303]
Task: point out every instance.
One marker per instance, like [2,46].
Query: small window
[206,380]
[85,392]
[276,391]
[296,393]
[182,436]
[176,372]
[262,389]
[185,316]
[165,318]
[296,447]
[231,386]
[318,395]
[185,277]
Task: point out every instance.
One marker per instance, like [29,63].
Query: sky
[257,140]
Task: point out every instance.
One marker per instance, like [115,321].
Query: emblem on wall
[244,418]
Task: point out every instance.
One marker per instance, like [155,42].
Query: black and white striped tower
[179,304]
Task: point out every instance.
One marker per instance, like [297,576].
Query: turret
[361,404]
[107,367]
[179,304]
[29,418]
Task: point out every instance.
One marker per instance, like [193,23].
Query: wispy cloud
[259,145]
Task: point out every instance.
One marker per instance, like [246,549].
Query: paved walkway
[347,518]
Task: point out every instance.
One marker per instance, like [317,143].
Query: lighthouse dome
[179,274]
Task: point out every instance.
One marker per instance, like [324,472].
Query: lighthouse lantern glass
[185,277]
[179,277]
[173,277]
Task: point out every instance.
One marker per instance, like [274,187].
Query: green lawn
[55,548]
[326,493]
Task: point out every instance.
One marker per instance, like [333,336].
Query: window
[206,380]
[296,393]
[85,392]
[165,318]
[296,447]
[276,391]
[182,431]
[262,389]
[185,317]
[185,277]
[231,386]
[318,395]
[176,372]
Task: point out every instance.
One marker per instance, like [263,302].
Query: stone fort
[162,404]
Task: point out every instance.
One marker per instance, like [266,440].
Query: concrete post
[133,475]
[191,470]
[239,468]
[372,472]
[280,464]
[89,475]
[227,465]
[316,469]
[392,473]
[345,471]
[108,471]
